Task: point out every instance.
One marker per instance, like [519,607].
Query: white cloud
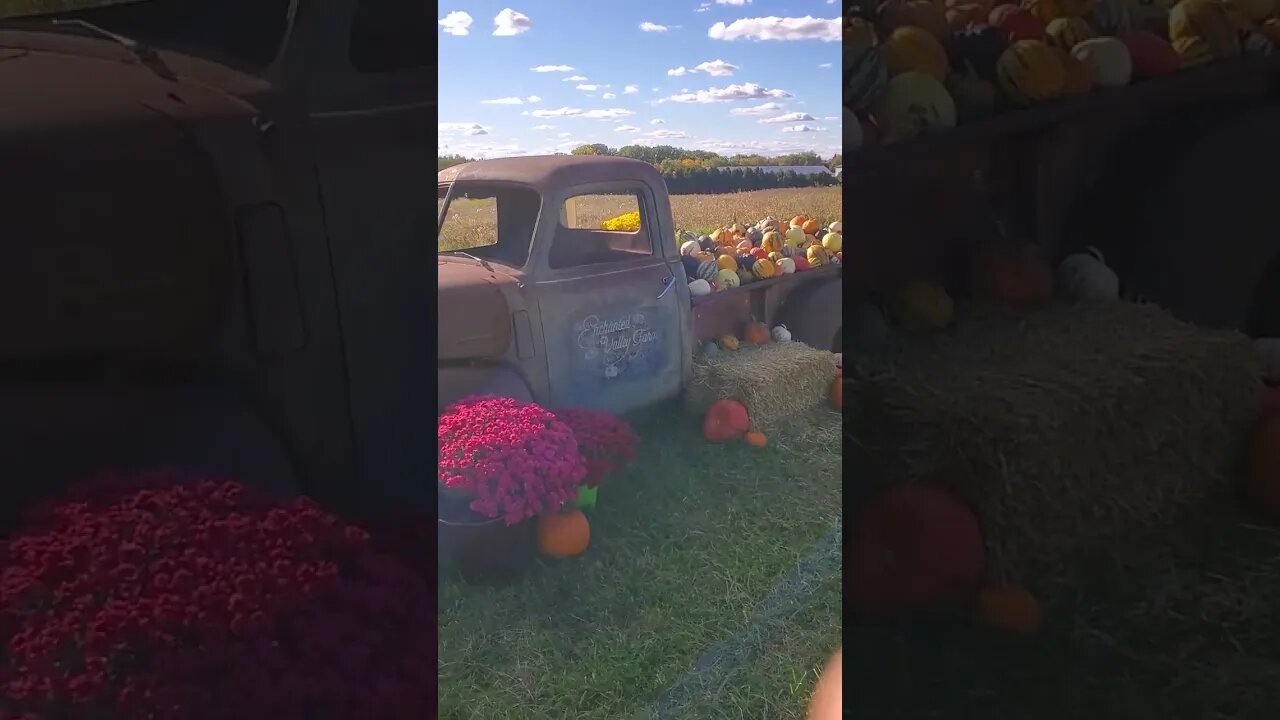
[461,128]
[574,78]
[563,135]
[608,96]
[456,23]
[628,90]
[733,2]
[762,109]
[678,71]
[776,28]
[533,99]
[653,89]
[824,65]
[552,68]
[510,22]
[790,118]
[647,26]
[746,91]
[610,114]
[803,129]
[503,101]
[626,128]
[666,134]
[716,68]
[544,127]
[657,121]
[490,150]
[587,88]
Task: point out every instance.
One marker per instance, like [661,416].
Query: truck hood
[473,312]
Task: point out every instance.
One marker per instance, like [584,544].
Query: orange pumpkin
[1012,275]
[563,534]
[726,420]
[755,438]
[811,226]
[1079,75]
[1009,608]
[756,333]
[798,221]
[837,393]
[1262,476]
[924,14]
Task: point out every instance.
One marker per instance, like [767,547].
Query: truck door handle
[667,283]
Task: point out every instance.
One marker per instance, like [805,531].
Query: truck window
[390,35]
[600,228]
[491,223]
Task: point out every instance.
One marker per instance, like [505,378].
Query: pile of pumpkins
[913,66]
[737,255]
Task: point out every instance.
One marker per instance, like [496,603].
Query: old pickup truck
[535,301]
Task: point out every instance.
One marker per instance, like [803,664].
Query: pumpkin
[974,97]
[801,263]
[739,230]
[745,261]
[1152,55]
[758,253]
[710,350]
[745,277]
[1009,608]
[1108,58]
[1065,33]
[706,243]
[914,548]
[1079,75]
[1112,17]
[725,421]
[836,226]
[563,534]
[726,279]
[858,34]
[703,256]
[774,257]
[1208,20]
[707,270]
[727,342]
[914,102]
[816,255]
[781,334]
[1030,72]
[795,236]
[811,226]
[808,240]
[726,262]
[798,221]
[1016,23]
[837,393]
[788,250]
[960,17]
[920,306]
[756,333]
[1262,474]
[755,234]
[786,266]
[1012,275]
[772,241]
[1268,350]
[690,247]
[833,242]
[1085,276]
[690,265]
[699,287]
[978,47]
[1193,51]
[744,246]
[911,49]
[763,269]
[923,14]
[755,438]
[720,236]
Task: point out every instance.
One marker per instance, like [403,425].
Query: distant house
[837,170]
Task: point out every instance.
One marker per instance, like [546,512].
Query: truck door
[608,299]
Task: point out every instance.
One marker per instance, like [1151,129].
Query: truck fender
[815,315]
[457,382]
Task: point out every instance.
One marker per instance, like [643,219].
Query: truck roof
[550,171]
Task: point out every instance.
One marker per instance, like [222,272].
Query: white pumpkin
[786,265]
[699,287]
[1269,351]
[690,247]
[1108,57]
[1085,276]
[781,334]
[836,227]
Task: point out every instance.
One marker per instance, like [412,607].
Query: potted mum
[502,463]
[607,443]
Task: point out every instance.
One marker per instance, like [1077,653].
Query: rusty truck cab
[582,315]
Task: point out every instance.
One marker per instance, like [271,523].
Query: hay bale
[775,382]
[1064,428]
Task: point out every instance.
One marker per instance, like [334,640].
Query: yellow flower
[630,222]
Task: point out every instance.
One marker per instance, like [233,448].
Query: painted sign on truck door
[610,313]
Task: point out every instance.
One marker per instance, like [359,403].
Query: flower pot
[488,551]
[587,497]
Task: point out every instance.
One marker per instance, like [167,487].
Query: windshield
[244,34]
[489,222]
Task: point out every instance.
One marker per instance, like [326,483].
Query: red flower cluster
[513,459]
[607,442]
[202,600]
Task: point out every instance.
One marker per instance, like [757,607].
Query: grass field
[471,222]
[701,595]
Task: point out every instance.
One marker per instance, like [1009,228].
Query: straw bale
[1063,428]
[775,382]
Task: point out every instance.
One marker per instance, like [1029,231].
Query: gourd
[858,34]
[914,102]
[912,49]
[1030,72]
[795,236]
[1012,275]
[755,438]
[756,333]
[707,270]
[924,14]
[914,547]
[739,230]
[727,279]
[754,235]
[1193,51]
[745,261]
[1152,56]
[920,306]
[727,342]
[706,243]
[809,240]
[1108,58]
[1079,76]
[974,97]
[978,46]
[690,265]
[801,263]
[721,236]
[1112,17]
[836,226]
[788,250]
[703,256]
[811,226]
[772,241]
[690,247]
[745,246]
[1016,23]
[758,254]
[1085,276]
[816,255]
[1065,33]
[865,73]
[786,266]
[832,242]
[745,277]
[726,262]
[781,334]
[1010,608]
[563,534]
[1208,20]
[699,287]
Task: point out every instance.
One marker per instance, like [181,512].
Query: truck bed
[723,312]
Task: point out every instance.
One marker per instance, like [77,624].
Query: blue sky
[524,77]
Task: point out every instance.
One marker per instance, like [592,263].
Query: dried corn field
[472,223]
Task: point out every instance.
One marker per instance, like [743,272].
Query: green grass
[684,550]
